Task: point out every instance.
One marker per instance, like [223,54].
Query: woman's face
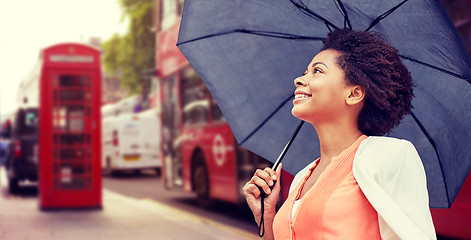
[322,91]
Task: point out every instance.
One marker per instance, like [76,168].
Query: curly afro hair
[370,62]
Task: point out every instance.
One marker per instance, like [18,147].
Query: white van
[130,141]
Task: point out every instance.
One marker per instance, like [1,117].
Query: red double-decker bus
[200,151]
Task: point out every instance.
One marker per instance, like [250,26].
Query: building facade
[460,13]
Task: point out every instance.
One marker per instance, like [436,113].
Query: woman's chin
[297,113]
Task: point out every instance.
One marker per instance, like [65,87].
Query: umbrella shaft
[288,145]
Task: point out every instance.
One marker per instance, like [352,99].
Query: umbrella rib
[345,15]
[432,142]
[266,119]
[278,35]
[384,15]
[436,68]
[309,12]
[260,33]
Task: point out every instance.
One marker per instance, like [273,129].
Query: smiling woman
[362,186]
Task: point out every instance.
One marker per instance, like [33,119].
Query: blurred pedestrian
[3,150]
[362,186]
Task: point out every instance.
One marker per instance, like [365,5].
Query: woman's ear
[356,95]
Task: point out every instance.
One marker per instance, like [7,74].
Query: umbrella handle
[261,227]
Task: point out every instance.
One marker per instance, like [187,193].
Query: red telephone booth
[69,127]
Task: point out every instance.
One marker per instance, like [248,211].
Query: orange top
[334,208]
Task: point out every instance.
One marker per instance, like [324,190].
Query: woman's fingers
[263,179]
[265,176]
[252,189]
[272,173]
[255,184]
[263,184]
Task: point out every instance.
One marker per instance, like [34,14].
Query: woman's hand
[265,179]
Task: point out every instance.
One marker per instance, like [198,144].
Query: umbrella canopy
[249,52]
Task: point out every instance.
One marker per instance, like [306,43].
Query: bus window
[169,13]
[180,7]
[31,120]
[216,113]
[28,121]
[194,98]
[170,113]
[171,131]
[196,112]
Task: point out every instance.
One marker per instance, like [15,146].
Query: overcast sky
[26,26]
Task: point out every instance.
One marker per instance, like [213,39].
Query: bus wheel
[158,171]
[13,185]
[201,181]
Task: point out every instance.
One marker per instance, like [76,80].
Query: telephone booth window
[71,134]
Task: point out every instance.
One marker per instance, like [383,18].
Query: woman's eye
[317,70]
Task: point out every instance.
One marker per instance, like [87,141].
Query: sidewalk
[121,218]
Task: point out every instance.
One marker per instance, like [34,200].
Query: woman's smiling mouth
[300,95]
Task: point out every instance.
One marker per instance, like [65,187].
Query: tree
[133,53]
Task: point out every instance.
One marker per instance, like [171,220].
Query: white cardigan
[391,175]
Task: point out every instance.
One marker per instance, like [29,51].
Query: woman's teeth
[302,96]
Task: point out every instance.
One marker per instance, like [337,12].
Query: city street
[148,185]
[134,206]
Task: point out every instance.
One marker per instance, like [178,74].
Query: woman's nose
[299,81]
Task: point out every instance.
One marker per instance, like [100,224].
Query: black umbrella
[248,52]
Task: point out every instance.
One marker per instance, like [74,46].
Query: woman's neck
[334,138]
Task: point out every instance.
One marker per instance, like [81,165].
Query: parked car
[22,150]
